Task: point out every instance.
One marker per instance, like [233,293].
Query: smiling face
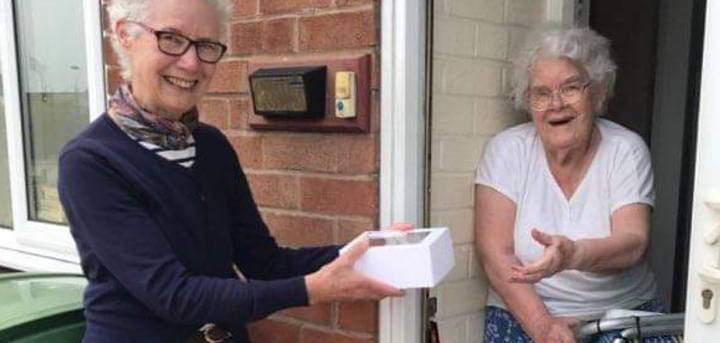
[563,125]
[169,85]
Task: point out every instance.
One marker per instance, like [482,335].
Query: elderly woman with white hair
[563,202]
[160,208]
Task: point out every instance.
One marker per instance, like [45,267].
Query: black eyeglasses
[175,44]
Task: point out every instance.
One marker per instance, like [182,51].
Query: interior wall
[651,99]
[673,130]
[473,41]
[634,55]
[656,52]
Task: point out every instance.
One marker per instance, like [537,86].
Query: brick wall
[311,188]
[473,43]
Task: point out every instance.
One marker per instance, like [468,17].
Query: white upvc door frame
[704,264]
[402,152]
[33,245]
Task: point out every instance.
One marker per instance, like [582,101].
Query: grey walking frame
[634,328]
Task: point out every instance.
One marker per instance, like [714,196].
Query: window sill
[29,261]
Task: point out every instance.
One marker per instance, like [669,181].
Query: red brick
[230,77]
[248,149]
[244,7]
[315,336]
[105,18]
[109,55]
[374,112]
[338,31]
[239,112]
[273,190]
[300,231]
[357,154]
[338,196]
[214,112]
[279,6]
[267,36]
[375,71]
[272,331]
[245,38]
[358,316]
[278,35]
[114,80]
[300,152]
[342,3]
[349,229]
[317,314]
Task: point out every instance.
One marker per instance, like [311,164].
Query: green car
[41,308]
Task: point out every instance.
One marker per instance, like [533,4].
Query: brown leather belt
[197,337]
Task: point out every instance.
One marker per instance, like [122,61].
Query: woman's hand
[558,256]
[401,226]
[554,330]
[338,280]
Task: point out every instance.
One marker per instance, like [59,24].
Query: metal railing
[633,329]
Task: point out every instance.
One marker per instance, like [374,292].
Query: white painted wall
[474,41]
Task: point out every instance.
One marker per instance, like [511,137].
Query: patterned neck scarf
[147,127]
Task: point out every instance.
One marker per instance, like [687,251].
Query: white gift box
[412,259]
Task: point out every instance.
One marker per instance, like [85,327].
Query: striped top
[184,157]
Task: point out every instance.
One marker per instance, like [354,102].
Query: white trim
[13,119]
[703,250]
[27,261]
[568,12]
[402,139]
[95,62]
[559,11]
[9,241]
[53,238]
[42,245]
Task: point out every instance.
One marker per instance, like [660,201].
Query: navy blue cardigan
[157,241]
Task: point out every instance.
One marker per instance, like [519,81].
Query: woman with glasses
[159,206]
[563,202]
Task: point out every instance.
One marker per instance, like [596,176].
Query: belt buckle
[214,334]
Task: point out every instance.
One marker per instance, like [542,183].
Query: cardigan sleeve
[112,227]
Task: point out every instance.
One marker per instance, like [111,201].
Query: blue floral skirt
[501,327]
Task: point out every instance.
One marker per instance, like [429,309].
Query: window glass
[5,201]
[54,93]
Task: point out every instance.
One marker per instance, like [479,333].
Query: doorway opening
[657,46]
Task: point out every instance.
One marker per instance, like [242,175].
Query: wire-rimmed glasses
[570,92]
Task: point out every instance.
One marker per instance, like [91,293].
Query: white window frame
[402,142]
[32,245]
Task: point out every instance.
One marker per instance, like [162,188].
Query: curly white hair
[583,46]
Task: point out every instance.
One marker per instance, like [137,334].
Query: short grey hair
[583,46]
[139,10]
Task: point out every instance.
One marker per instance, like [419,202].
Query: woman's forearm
[625,247]
[521,299]
[608,255]
[494,220]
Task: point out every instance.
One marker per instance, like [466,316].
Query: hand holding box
[412,259]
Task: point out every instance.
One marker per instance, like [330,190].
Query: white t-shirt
[515,165]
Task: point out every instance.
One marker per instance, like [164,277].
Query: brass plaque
[279,94]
